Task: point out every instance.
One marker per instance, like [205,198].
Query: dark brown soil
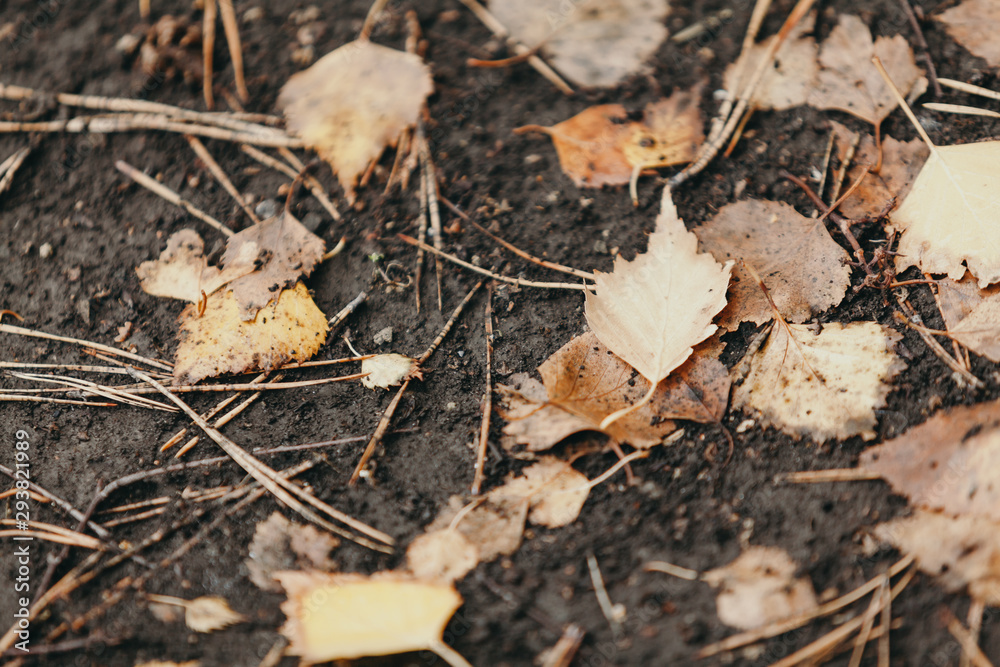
[685,509]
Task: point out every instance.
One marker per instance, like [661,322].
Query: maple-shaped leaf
[652,311]
[353,102]
[821,385]
[975,25]
[804,270]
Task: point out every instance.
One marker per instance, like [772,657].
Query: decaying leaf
[803,268]
[847,80]
[592,43]
[971,314]
[554,490]
[825,385]
[901,162]
[441,555]
[952,214]
[760,588]
[584,383]
[950,463]
[387,370]
[652,311]
[210,613]
[601,146]
[975,24]
[960,552]
[279,544]
[494,526]
[353,102]
[219,342]
[346,616]
[182,271]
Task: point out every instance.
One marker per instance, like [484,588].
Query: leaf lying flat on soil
[387,370]
[353,102]
[279,544]
[219,342]
[975,25]
[971,314]
[803,268]
[182,271]
[901,163]
[210,613]
[825,385]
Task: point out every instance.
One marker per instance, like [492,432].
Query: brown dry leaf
[971,314]
[388,370]
[901,162]
[803,268]
[182,271]
[950,220]
[441,555]
[950,463]
[494,525]
[760,588]
[347,616]
[593,43]
[830,392]
[962,551]
[279,544]
[219,342]
[353,102]
[554,490]
[848,81]
[210,613]
[601,146]
[271,256]
[975,25]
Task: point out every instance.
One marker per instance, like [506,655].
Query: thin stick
[344,313]
[8,328]
[231,26]
[672,570]
[421,234]
[207,49]
[85,386]
[925,50]
[821,186]
[10,167]
[485,272]
[429,182]
[562,654]
[975,620]
[969,88]
[166,193]
[603,599]
[314,186]
[80,368]
[861,641]
[906,107]
[219,173]
[841,174]
[226,418]
[883,641]
[310,182]
[501,32]
[19,398]
[825,476]
[961,109]
[907,317]
[966,641]
[248,386]
[484,429]
[372,18]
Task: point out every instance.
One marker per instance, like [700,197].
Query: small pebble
[267,208]
[45,250]
[383,336]
[253,15]
[312,221]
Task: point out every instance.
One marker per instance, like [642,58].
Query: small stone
[45,250]
[128,44]
[600,247]
[267,208]
[253,15]
[383,336]
[307,15]
[83,310]
[532,159]
[312,221]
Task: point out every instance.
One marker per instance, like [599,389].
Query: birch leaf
[952,214]
[901,163]
[388,370]
[210,613]
[975,24]
[825,385]
[652,311]
[441,555]
[554,490]
[182,271]
[279,544]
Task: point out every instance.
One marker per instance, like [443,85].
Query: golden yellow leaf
[182,271]
[353,102]
[219,342]
[346,616]
[825,385]
[975,25]
[387,370]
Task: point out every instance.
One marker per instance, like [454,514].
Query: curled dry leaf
[210,613]
[803,268]
[760,588]
[975,25]
[388,370]
[347,616]
[652,311]
[950,463]
[901,162]
[959,551]
[219,342]
[441,555]
[825,385]
[279,544]
[182,271]
[952,214]
[592,43]
[355,101]
[601,146]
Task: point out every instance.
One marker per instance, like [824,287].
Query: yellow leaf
[182,271]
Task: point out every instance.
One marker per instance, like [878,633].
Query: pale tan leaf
[219,342]
[494,525]
[279,544]
[960,552]
[182,272]
[952,214]
[670,132]
[652,311]
[848,81]
[271,256]
[760,588]
[956,299]
[441,555]
[346,616]
[805,271]
[554,490]
[950,463]
[353,102]
[210,613]
[971,314]
[592,43]
[901,163]
[387,370]
[975,25]
[825,385]
[532,420]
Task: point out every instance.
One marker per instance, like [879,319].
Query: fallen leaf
[494,525]
[210,613]
[950,463]
[279,544]
[652,311]
[960,552]
[554,490]
[848,81]
[353,102]
[971,314]
[346,616]
[952,214]
[825,385]
[975,24]
[388,370]
[901,162]
[182,271]
[592,43]
[803,268]
[441,555]
[760,588]
[219,342]
[956,299]
[600,145]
